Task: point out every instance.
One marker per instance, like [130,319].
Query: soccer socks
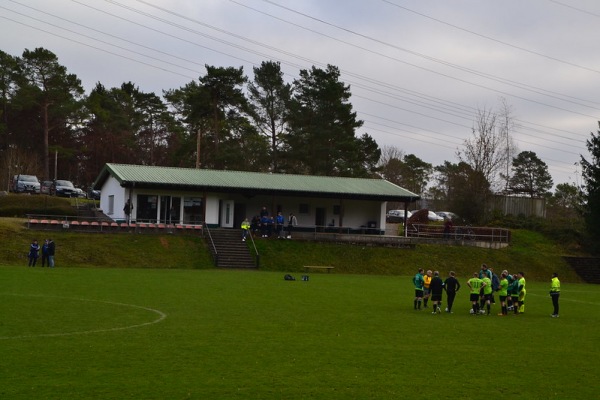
[488,309]
[425,302]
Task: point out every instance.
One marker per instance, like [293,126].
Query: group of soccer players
[510,288]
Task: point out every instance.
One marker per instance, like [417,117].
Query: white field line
[563,298]
[161,316]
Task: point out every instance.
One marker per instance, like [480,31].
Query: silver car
[26,184]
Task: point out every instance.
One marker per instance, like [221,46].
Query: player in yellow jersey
[475,285]
[426,295]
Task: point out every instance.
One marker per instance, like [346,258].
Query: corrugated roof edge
[248,180]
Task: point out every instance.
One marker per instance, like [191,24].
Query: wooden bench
[309,267]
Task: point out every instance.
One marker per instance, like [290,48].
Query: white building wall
[112,188]
[356,213]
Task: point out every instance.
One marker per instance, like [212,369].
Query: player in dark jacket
[436,288]
[451,285]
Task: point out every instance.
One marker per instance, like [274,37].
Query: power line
[575,8]
[494,39]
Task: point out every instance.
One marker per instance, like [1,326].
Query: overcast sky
[419,71]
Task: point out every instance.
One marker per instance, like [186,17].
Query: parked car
[448,214]
[434,217]
[395,216]
[431,216]
[63,188]
[80,193]
[45,187]
[94,194]
[25,184]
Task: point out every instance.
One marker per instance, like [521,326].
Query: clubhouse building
[217,198]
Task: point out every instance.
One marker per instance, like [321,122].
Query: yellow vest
[427,280]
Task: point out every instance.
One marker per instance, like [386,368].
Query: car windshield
[64,183]
[28,178]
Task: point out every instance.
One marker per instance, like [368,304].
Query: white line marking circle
[161,316]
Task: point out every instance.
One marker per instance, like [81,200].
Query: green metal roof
[141,176]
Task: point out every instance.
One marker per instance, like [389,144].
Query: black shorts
[503,298]
[418,293]
[436,297]
[474,297]
[488,297]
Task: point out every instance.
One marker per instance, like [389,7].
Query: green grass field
[89,333]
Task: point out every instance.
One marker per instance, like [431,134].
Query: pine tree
[591,177]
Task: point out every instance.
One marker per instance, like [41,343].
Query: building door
[320,217]
[227,207]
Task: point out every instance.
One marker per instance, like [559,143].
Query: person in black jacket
[436,289]
[51,251]
[451,285]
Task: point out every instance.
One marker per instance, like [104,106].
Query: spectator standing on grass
[51,251]
[418,281]
[427,281]
[555,293]
[45,254]
[436,288]
[292,223]
[503,293]
[476,286]
[451,285]
[34,252]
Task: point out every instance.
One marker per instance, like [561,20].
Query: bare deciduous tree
[486,151]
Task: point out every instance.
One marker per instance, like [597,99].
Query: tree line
[50,127]
[221,121]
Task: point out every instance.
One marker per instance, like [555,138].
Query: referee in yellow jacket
[555,293]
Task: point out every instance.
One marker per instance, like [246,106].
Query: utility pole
[198,142]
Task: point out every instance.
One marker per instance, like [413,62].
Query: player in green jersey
[487,294]
[475,285]
[513,289]
[522,292]
[503,293]
[419,282]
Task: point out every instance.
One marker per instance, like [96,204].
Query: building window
[192,210]
[111,204]
[147,208]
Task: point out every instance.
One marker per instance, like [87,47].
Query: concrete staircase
[231,251]
[588,268]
